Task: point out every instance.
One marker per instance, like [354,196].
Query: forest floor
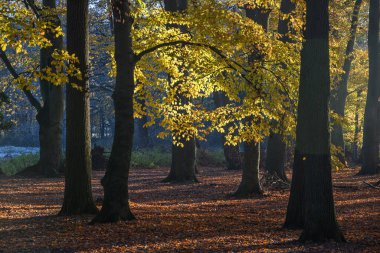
[181,218]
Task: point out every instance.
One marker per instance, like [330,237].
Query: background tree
[371,132]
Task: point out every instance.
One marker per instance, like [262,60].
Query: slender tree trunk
[115,182]
[78,193]
[371,130]
[250,182]
[338,98]
[312,134]
[355,148]
[276,154]
[142,132]
[276,151]
[231,153]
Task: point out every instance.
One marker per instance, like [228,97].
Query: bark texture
[78,193]
[115,182]
[183,167]
[276,150]
[50,117]
[371,129]
[250,182]
[339,96]
[312,134]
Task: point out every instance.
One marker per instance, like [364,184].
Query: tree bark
[355,148]
[183,167]
[276,150]
[338,98]
[371,129]
[78,193]
[50,117]
[115,182]
[312,134]
[250,182]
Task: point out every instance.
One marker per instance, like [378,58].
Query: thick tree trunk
[371,130]
[231,153]
[115,182]
[250,183]
[78,193]
[276,154]
[312,134]
[338,99]
[183,166]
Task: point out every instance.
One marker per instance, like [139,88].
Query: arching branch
[33,100]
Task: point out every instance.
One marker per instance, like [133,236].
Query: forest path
[180,218]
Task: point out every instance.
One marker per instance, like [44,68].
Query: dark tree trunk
[142,132]
[115,182]
[183,166]
[338,98]
[78,193]
[371,130]
[312,134]
[276,154]
[355,148]
[276,150]
[250,183]
[231,153]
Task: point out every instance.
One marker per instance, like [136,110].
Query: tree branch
[33,101]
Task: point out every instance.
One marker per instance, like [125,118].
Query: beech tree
[316,213]
[276,150]
[78,192]
[371,131]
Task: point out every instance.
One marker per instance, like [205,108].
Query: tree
[183,166]
[115,182]
[50,117]
[276,150]
[312,154]
[50,111]
[339,96]
[371,131]
[78,193]
[250,182]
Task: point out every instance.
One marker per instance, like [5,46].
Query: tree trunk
[312,134]
[276,151]
[338,99]
[250,182]
[78,193]
[355,148]
[371,130]
[115,182]
[231,153]
[183,165]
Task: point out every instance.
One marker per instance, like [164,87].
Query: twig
[371,185]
